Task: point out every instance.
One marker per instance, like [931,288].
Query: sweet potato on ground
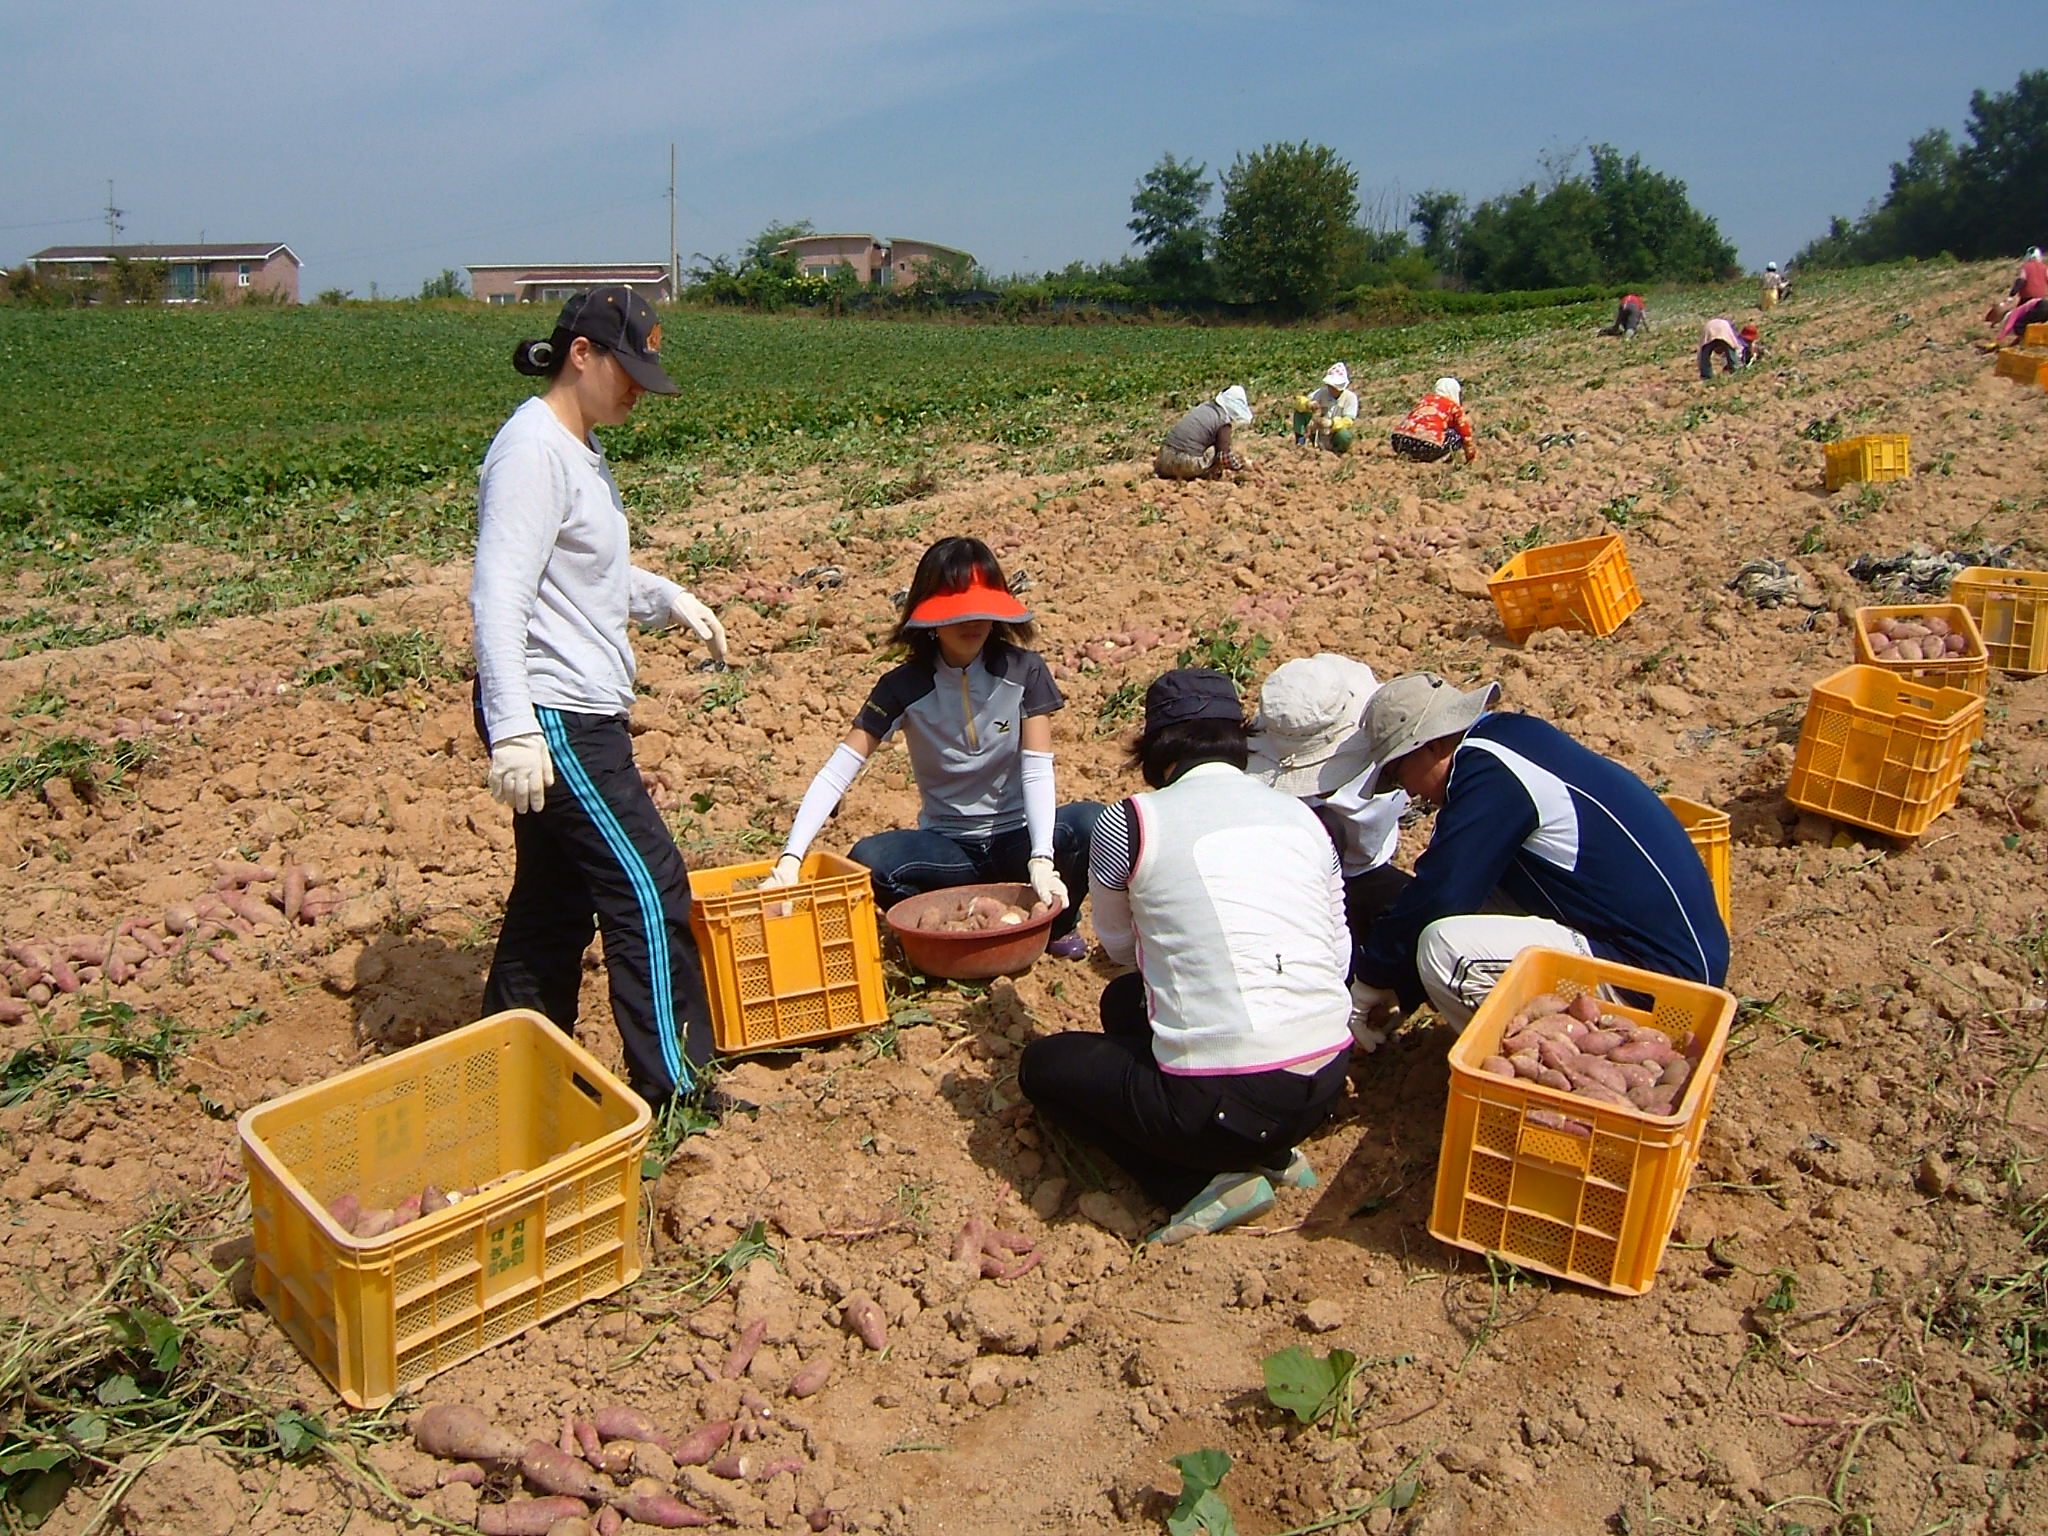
[546,1468]
[528,1517]
[458,1432]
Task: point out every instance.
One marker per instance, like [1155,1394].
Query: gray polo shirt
[1198,429]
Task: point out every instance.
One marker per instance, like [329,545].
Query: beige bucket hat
[1305,738]
[1418,708]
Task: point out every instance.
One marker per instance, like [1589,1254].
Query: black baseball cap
[1191,693]
[624,324]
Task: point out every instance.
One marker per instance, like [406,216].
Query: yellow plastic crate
[800,962]
[1881,456]
[2026,367]
[1712,833]
[2034,336]
[509,1098]
[1968,669]
[2010,610]
[1584,585]
[1882,752]
[1595,1200]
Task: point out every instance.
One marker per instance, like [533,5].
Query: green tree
[761,252]
[1287,213]
[1439,219]
[449,285]
[1649,228]
[1167,221]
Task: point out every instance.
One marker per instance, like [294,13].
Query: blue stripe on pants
[647,896]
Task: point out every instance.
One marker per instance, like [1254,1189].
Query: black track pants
[598,856]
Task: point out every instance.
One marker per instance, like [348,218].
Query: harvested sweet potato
[744,1350]
[811,1380]
[700,1444]
[864,1316]
[458,1432]
[619,1423]
[546,1468]
[662,1509]
[528,1517]
[347,1210]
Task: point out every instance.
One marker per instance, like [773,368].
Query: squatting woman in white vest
[1229,1043]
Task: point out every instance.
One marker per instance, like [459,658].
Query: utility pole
[675,278]
[113,216]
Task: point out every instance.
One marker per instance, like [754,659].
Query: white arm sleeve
[1038,802]
[649,597]
[823,797]
[520,505]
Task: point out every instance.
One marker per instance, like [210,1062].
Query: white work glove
[1373,1010]
[521,772]
[1046,883]
[702,623]
[786,872]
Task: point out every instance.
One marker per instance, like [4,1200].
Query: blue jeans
[909,863]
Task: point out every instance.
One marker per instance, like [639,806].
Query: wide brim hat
[616,318]
[1414,710]
[1305,737]
[980,599]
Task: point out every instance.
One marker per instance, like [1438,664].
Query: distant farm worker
[550,600]
[1307,742]
[1628,317]
[1776,285]
[1332,402]
[1538,840]
[1752,344]
[1719,339]
[1198,447]
[2029,294]
[975,708]
[1228,1045]
[1437,425]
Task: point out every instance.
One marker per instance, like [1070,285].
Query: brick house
[230,273]
[512,283]
[877,263]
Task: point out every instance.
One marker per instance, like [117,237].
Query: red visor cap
[978,600]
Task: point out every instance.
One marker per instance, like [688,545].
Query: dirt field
[1850,1329]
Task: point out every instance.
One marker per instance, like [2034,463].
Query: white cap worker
[1332,400]
[1776,286]
[1538,841]
[1306,742]
[1198,447]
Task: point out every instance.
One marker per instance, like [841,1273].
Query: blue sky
[385,141]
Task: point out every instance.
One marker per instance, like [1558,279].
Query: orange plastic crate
[1584,585]
[2035,336]
[1876,456]
[1883,752]
[1968,669]
[510,1098]
[2010,610]
[2026,367]
[1712,834]
[1593,1202]
[798,963]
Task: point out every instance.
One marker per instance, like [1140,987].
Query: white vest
[1238,912]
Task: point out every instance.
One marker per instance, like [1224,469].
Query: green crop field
[283,453]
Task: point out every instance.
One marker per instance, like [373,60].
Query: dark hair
[951,565]
[1180,744]
[543,359]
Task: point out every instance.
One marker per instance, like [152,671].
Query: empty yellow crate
[1584,585]
[2027,367]
[1713,835]
[2035,336]
[1882,456]
[1592,1200]
[2010,610]
[1882,752]
[510,1098]
[797,963]
[1969,668]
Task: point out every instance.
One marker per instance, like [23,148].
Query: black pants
[598,857]
[1366,899]
[1170,1133]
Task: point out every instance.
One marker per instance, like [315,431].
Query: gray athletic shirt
[964,730]
[1198,429]
[554,585]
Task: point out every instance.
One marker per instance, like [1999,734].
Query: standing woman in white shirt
[553,591]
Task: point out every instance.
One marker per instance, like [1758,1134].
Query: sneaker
[1068,947]
[1224,1201]
[1297,1174]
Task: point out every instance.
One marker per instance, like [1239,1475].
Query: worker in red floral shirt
[1437,425]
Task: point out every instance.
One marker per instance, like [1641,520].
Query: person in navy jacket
[1538,841]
